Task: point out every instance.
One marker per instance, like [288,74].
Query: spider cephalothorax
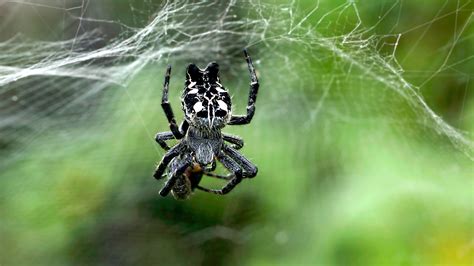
[206,103]
[207,109]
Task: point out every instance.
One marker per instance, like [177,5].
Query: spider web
[90,82]
[58,84]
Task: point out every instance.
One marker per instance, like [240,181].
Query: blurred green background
[350,171]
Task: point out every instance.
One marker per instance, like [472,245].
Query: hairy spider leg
[245,119]
[233,167]
[236,140]
[174,176]
[225,177]
[250,170]
[165,104]
[162,137]
[173,152]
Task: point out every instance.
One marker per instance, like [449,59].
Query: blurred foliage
[364,190]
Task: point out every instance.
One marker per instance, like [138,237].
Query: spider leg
[212,168]
[236,140]
[250,170]
[162,137]
[173,177]
[245,119]
[165,104]
[173,152]
[233,167]
[225,177]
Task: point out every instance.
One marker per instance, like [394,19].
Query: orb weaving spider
[207,109]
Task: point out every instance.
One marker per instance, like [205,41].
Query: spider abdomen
[206,103]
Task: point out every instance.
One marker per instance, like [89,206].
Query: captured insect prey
[207,110]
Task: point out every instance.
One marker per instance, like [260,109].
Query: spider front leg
[236,171]
[165,104]
[162,137]
[250,170]
[245,119]
[237,141]
[173,152]
[174,175]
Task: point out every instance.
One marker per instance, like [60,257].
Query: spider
[207,110]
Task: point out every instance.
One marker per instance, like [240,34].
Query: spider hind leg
[165,104]
[254,85]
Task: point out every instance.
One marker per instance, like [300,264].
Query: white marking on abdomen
[222,105]
[197,107]
[191,84]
